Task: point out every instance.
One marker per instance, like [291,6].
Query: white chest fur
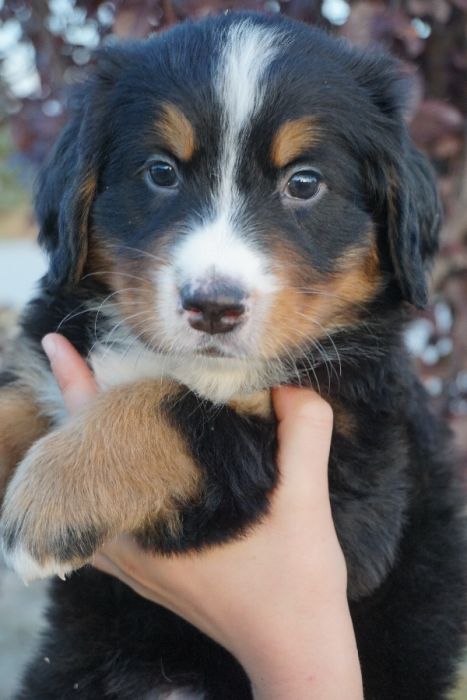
[217,379]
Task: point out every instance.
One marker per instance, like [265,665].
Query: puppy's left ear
[413,218]
[401,183]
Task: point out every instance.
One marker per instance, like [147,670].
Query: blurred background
[45,46]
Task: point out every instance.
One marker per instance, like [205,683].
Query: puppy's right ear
[64,196]
[68,181]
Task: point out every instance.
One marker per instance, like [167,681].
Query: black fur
[396,503]
[395,493]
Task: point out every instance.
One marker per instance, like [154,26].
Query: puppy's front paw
[35,549]
[29,568]
[43,525]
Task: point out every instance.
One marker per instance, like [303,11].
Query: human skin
[277,596]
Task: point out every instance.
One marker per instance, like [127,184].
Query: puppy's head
[245,185]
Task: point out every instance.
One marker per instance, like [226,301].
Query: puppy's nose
[215,308]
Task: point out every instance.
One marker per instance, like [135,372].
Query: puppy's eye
[162,174]
[303,184]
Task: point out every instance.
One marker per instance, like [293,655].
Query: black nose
[215,308]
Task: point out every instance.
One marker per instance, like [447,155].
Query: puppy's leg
[116,466]
[21,424]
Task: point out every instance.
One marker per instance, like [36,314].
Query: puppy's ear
[64,196]
[401,184]
[414,220]
[411,218]
[68,181]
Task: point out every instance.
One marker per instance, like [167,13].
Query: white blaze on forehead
[214,251]
[249,50]
[221,246]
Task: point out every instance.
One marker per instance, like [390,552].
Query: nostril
[215,308]
[234,312]
[189,304]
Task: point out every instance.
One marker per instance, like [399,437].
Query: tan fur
[293,139]
[308,307]
[101,259]
[117,466]
[257,404]
[177,132]
[344,422]
[87,188]
[21,424]
[83,204]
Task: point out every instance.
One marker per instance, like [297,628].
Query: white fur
[215,250]
[50,398]
[28,569]
[217,379]
[112,368]
[210,253]
[222,246]
[247,53]
[37,377]
[218,247]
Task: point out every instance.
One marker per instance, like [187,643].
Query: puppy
[234,204]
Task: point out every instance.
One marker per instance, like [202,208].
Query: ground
[21,610]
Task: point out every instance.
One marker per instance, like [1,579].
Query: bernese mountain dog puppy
[234,204]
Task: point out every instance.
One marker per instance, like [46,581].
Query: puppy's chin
[216,378]
[220,379]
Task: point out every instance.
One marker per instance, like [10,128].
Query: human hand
[277,597]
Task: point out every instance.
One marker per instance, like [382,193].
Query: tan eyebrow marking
[293,138]
[177,131]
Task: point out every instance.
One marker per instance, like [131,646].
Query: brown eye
[304,184]
[162,174]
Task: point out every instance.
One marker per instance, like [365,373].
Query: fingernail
[50,346]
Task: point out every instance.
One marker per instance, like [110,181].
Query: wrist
[314,660]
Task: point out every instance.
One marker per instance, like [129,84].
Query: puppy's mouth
[216,348]
[208,348]
[212,352]
[223,346]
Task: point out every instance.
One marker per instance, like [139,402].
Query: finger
[148,573]
[73,375]
[304,435]
[150,570]
[107,566]
[124,553]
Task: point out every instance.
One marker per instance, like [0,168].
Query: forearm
[319,661]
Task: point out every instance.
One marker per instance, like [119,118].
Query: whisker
[106,341]
[106,301]
[121,274]
[71,315]
[89,309]
[320,292]
[330,338]
[141,252]
[320,348]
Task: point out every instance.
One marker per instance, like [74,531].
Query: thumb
[71,372]
[304,434]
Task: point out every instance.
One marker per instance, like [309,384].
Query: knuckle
[316,411]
